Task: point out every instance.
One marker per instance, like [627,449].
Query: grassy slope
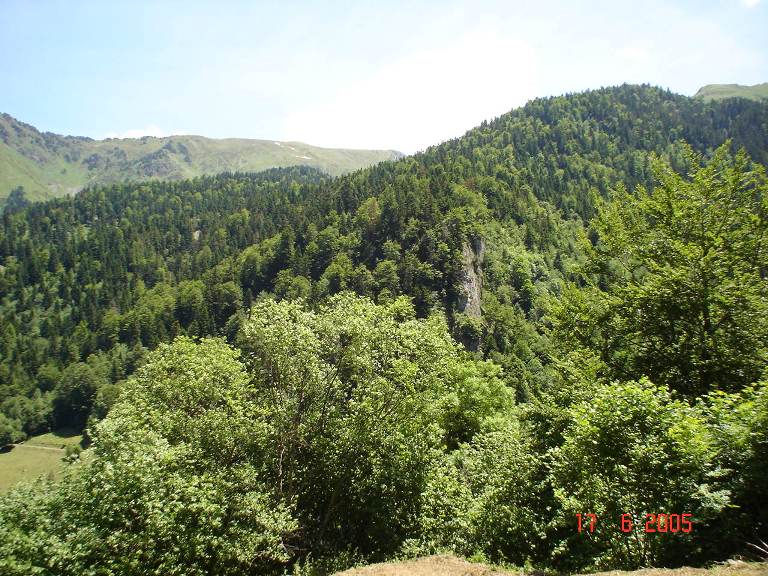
[51,165]
[16,170]
[711,92]
[28,463]
[39,456]
[58,439]
[452,566]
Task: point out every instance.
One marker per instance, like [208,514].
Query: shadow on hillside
[65,433]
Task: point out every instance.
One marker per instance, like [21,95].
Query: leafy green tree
[386,277]
[362,398]
[682,291]
[48,376]
[224,300]
[34,413]
[174,485]
[190,306]
[17,199]
[292,287]
[339,275]
[10,430]
[106,397]
[75,394]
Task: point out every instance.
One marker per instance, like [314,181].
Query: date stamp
[648,523]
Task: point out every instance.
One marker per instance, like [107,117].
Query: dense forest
[563,312]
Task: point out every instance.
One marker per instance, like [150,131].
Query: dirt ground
[429,566]
[452,566]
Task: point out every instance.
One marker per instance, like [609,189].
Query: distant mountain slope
[49,165]
[711,92]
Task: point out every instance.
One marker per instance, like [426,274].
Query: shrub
[633,450]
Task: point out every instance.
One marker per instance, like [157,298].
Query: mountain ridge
[757,92]
[49,165]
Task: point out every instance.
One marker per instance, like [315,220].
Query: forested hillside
[562,312]
[47,165]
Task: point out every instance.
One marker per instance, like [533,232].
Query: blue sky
[384,74]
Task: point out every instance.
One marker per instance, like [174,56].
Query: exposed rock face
[472,277]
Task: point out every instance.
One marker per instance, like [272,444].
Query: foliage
[681,290]
[171,486]
[10,430]
[323,446]
[739,426]
[101,276]
[482,499]
[361,398]
[634,450]
[343,421]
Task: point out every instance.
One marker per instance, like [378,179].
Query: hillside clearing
[39,456]
[27,463]
[56,439]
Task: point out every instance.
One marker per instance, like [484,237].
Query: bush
[10,431]
[354,394]
[739,426]
[481,500]
[633,450]
[171,488]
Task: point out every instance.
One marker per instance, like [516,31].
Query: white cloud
[750,3]
[661,46]
[635,56]
[424,98]
[150,130]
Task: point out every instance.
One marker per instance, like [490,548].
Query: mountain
[514,191]
[711,92]
[466,349]
[49,165]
